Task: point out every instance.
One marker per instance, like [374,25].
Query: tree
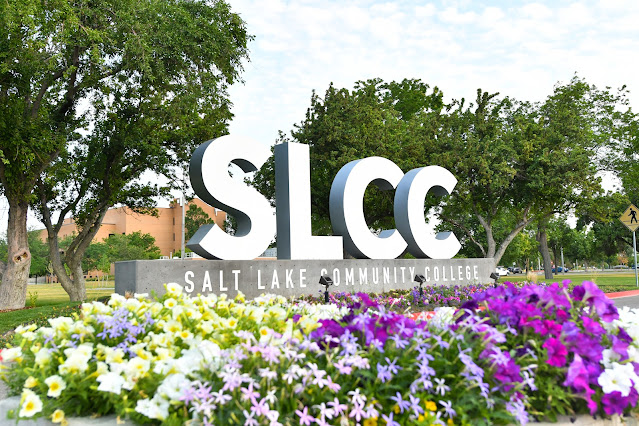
[393,120]
[37,248]
[135,246]
[601,215]
[92,96]
[194,218]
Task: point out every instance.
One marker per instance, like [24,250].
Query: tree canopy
[516,162]
[92,95]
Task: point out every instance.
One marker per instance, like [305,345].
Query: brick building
[166,228]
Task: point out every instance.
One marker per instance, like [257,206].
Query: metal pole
[183,220]
[634,246]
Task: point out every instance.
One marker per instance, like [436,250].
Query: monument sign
[303,257]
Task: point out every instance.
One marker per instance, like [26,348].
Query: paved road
[630,301]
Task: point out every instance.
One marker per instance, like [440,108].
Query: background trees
[195,217]
[94,95]
[518,163]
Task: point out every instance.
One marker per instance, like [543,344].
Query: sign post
[630,218]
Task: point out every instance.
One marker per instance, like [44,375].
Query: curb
[620,294]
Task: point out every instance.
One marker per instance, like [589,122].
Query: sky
[517,48]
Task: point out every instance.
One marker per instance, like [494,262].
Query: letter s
[212,183]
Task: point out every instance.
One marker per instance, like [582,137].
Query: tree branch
[35,107]
[467,232]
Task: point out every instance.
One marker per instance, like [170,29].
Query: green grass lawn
[51,301]
[607,281]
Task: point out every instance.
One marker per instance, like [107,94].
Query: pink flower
[556,352]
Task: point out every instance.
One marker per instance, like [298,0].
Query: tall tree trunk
[490,239]
[73,282]
[542,239]
[13,287]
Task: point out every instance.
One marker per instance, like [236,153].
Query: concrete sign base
[295,277]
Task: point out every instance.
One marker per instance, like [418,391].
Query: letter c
[409,212]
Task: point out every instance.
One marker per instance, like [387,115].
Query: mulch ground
[19,309]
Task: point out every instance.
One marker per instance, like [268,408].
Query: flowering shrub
[431,297]
[112,357]
[586,359]
[266,361]
[212,360]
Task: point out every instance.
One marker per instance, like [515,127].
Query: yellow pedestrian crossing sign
[630,218]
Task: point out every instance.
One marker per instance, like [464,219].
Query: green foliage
[392,120]
[131,247]
[39,254]
[33,298]
[515,161]
[194,218]
[152,80]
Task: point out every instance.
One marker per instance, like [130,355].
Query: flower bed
[431,297]
[272,361]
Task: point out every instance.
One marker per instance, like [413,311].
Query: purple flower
[616,403]
[260,408]
[556,352]
[305,418]
[401,403]
[357,411]
[389,420]
[383,373]
[448,408]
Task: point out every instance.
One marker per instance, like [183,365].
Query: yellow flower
[370,422]
[396,409]
[58,416]
[30,382]
[431,406]
[421,418]
[450,422]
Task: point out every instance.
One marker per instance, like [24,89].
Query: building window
[110,235]
[174,236]
[173,221]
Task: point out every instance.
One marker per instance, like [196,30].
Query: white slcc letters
[257,225]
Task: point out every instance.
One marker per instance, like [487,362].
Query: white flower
[608,357]
[56,386]
[173,386]
[77,363]
[11,354]
[174,289]
[443,316]
[30,382]
[189,361]
[57,416]
[110,382]
[31,404]
[138,367]
[617,378]
[42,357]
[61,323]
[156,408]
[102,368]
